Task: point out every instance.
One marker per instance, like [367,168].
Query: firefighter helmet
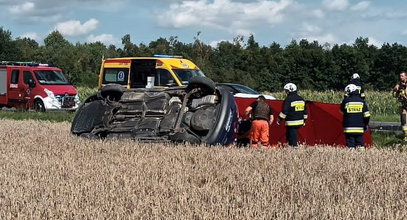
[355,76]
[350,88]
[290,87]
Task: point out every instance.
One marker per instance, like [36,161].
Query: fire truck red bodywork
[15,90]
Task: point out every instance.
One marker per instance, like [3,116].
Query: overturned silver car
[198,113]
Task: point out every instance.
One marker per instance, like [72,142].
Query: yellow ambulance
[148,72]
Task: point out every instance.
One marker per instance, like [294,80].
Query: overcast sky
[331,21]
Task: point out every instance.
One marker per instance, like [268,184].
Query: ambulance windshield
[186,74]
[51,77]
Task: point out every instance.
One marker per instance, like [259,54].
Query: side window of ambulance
[116,75]
[14,76]
[163,78]
[27,76]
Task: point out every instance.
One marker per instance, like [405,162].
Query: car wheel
[112,91]
[89,116]
[39,105]
[183,137]
[226,120]
[206,85]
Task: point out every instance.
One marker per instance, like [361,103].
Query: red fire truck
[36,86]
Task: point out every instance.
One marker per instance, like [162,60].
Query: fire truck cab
[28,85]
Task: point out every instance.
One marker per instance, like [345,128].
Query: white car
[242,91]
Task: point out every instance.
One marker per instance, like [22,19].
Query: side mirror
[31,83]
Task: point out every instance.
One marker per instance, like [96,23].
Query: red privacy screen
[324,124]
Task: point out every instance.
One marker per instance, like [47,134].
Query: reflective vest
[355,114]
[400,92]
[261,111]
[294,110]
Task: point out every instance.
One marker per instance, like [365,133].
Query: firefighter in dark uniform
[355,79]
[400,92]
[262,116]
[355,117]
[294,113]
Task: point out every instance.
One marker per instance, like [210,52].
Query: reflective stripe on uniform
[404,128]
[354,103]
[354,107]
[294,123]
[298,105]
[353,130]
[305,116]
[282,115]
[366,114]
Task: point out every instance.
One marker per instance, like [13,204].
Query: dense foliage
[265,68]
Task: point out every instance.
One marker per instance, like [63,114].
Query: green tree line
[310,65]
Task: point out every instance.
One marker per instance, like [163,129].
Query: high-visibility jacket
[355,114]
[400,92]
[360,87]
[261,110]
[294,110]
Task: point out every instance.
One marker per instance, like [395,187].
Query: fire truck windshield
[51,77]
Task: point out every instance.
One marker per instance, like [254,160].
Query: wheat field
[48,174]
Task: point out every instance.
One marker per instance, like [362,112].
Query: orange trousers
[259,132]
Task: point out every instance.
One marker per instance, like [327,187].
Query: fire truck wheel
[39,106]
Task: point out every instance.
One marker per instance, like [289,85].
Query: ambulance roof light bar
[166,56]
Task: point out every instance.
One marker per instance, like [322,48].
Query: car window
[228,88]
[163,78]
[186,74]
[51,77]
[27,76]
[14,76]
[116,75]
[245,89]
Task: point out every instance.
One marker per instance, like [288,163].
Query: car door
[15,96]
[26,91]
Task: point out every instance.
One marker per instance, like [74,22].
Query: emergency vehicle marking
[184,65]
[354,107]
[120,76]
[298,105]
[13,86]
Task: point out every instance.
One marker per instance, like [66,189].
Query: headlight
[49,93]
[77,101]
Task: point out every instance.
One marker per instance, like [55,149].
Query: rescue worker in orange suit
[355,79]
[400,92]
[294,113]
[262,116]
[355,117]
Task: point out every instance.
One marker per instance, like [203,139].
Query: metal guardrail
[385,126]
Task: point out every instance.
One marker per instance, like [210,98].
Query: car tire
[90,115]
[184,137]
[39,105]
[207,85]
[112,91]
[226,121]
